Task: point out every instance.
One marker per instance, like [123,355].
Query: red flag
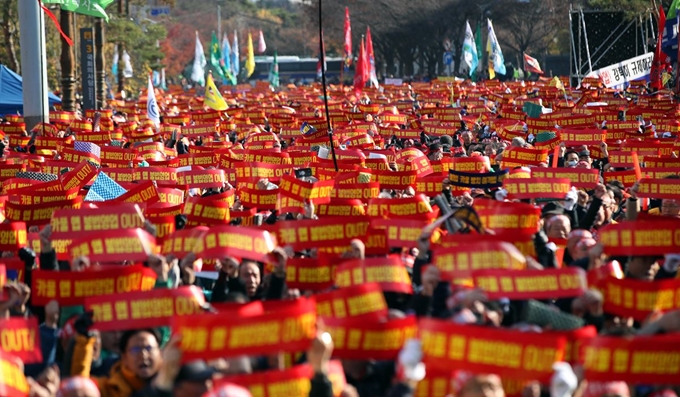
[360,71]
[348,39]
[657,64]
[370,59]
[261,45]
[531,65]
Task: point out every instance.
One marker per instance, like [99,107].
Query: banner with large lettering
[508,353]
[358,339]
[211,336]
[414,207]
[316,193]
[626,71]
[488,180]
[72,223]
[115,246]
[537,188]
[329,232]
[644,360]
[531,284]
[309,274]
[514,218]
[20,337]
[12,236]
[364,301]
[461,261]
[144,309]
[181,242]
[401,232]
[659,188]
[12,380]
[241,242]
[579,177]
[202,179]
[360,191]
[390,273]
[72,288]
[640,238]
[520,157]
[637,299]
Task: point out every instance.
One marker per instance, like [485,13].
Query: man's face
[670,208]
[489,151]
[483,386]
[587,159]
[142,355]
[467,137]
[571,157]
[250,274]
[643,267]
[558,227]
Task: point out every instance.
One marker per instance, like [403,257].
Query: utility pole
[99,62]
[67,60]
[33,63]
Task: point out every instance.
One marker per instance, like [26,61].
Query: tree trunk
[9,34]
[67,60]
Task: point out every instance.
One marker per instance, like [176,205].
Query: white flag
[493,48]
[152,106]
[470,56]
[127,66]
[198,70]
[261,45]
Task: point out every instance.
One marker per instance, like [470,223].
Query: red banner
[144,192]
[641,238]
[519,157]
[531,284]
[483,255]
[524,242]
[358,339]
[181,242]
[359,191]
[637,299]
[288,382]
[164,177]
[536,188]
[364,301]
[579,177]
[390,273]
[469,164]
[241,242]
[329,232]
[144,309]
[401,232]
[38,214]
[508,353]
[122,245]
[79,176]
[12,236]
[208,213]
[341,207]
[67,222]
[202,179]
[317,193]
[588,137]
[72,288]
[309,274]
[407,207]
[260,199]
[659,189]
[210,336]
[643,360]
[253,169]
[517,219]
[398,180]
[12,380]
[20,337]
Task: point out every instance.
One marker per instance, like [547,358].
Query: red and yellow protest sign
[363,301]
[508,353]
[341,207]
[66,223]
[524,242]
[208,213]
[37,214]
[358,339]
[253,169]
[648,360]
[639,238]
[390,273]
[637,299]
[294,381]
[202,178]
[588,137]
[12,380]
[27,196]
[20,337]
[164,177]
[144,309]
[478,164]
[12,236]
[511,218]
[210,336]
[359,191]
[80,176]
[145,192]
[317,192]
[329,232]
[417,206]
[531,284]
[519,157]
[309,274]
[401,232]
[9,171]
[460,261]
[115,246]
[659,162]
[395,179]
[537,188]
[182,242]
[579,177]
[72,288]
[260,199]
[242,242]
[659,188]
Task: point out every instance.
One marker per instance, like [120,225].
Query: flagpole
[325,93]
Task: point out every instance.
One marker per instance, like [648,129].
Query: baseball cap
[195,371]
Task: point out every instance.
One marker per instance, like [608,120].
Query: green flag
[478,44]
[94,8]
[216,56]
[274,72]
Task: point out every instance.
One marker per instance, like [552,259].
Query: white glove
[671,263]
[501,194]
[409,363]
[570,199]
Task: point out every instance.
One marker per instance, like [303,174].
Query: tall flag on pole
[657,64]
[164,85]
[480,51]
[250,57]
[226,61]
[318,64]
[470,57]
[198,70]
[360,70]
[370,59]
[348,40]
[493,48]
[213,99]
[274,72]
[532,65]
[261,45]
[216,56]
[235,57]
[151,105]
[127,66]
[114,63]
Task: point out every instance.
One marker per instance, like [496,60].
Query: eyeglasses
[137,350]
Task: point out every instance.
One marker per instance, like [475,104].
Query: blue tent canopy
[11,93]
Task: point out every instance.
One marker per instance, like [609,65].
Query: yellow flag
[489,51]
[250,60]
[213,99]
